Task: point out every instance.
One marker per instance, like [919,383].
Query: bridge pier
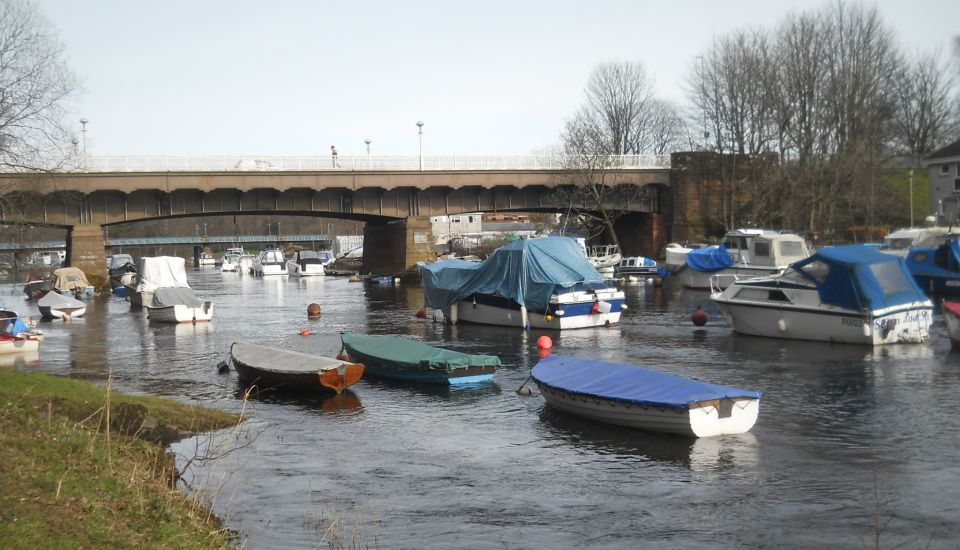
[394,248]
[86,250]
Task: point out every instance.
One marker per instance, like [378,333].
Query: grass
[80,466]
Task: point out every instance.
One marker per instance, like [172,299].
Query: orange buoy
[544,342]
[306,332]
[422,313]
[313,311]
[544,352]
[699,317]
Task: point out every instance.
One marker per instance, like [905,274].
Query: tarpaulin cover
[69,278]
[526,271]
[709,259]
[161,271]
[405,354]
[941,262]
[172,296]
[12,325]
[629,383]
[54,300]
[858,277]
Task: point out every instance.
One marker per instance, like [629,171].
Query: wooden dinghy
[632,396]
[267,366]
[398,358]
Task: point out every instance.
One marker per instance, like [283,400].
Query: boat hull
[571,310]
[179,313]
[718,417]
[331,377]
[308,270]
[11,345]
[398,359]
[700,280]
[466,375]
[61,313]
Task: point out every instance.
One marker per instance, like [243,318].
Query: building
[944,169]
[447,227]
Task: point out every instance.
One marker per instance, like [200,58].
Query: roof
[950,151]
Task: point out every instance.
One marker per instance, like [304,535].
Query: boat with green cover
[399,358]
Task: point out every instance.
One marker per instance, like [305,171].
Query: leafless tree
[925,106]
[618,98]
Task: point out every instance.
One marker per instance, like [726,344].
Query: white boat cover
[59,301]
[172,296]
[161,271]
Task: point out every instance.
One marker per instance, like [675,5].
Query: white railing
[266,163]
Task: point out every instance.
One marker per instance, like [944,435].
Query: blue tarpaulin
[526,271]
[629,383]
[858,277]
[709,259]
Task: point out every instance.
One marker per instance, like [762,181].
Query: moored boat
[398,358]
[157,272]
[122,270]
[179,305]
[59,306]
[744,253]
[72,281]
[15,336]
[846,294]
[305,263]
[951,318]
[268,366]
[535,283]
[270,261]
[628,395]
[936,269]
[231,262]
[637,266]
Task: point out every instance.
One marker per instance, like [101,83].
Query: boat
[532,283]
[245,264]
[900,242]
[157,272]
[270,261]
[951,318]
[272,367]
[745,253]
[37,285]
[205,258]
[231,262]
[628,395]
[936,269]
[15,336]
[72,281]
[848,294]
[305,263]
[59,306]
[179,305]
[122,270]
[637,266]
[603,257]
[398,358]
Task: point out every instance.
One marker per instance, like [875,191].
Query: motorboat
[245,264]
[936,269]
[637,266]
[849,294]
[272,367]
[531,283]
[900,242]
[305,263]
[179,305]
[951,318]
[403,359]
[59,306]
[72,281]
[605,258]
[628,395]
[15,336]
[270,261]
[744,253]
[205,258]
[231,262]
[37,285]
[157,272]
[122,270]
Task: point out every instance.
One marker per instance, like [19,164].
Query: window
[471,219]
[817,270]
[956,184]
[944,169]
[761,248]
[791,248]
[455,219]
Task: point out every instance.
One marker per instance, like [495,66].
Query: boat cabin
[760,247]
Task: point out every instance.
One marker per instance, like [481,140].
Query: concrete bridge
[395,196]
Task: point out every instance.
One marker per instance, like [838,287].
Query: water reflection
[20,360]
[344,403]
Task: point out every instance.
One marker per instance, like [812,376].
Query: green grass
[71,478]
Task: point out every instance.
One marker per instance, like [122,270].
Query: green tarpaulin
[406,354]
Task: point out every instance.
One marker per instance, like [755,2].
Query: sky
[293,77]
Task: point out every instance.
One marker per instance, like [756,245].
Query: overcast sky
[218,77]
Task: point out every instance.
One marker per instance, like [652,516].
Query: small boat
[901,241]
[270,261]
[59,306]
[230,263]
[846,294]
[305,263]
[937,269]
[637,266]
[73,281]
[745,253]
[179,305]
[291,370]
[37,285]
[603,257]
[205,258]
[539,283]
[245,264]
[157,272]
[398,358]
[628,395]
[951,318]
[16,336]
[122,270]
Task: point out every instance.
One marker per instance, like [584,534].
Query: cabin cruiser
[270,261]
[901,241]
[231,262]
[745,253]
[305,263]
[848,294]
[937,269]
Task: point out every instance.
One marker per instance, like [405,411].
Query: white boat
[270,261]
[848,294]
[305,263]
[534,283]
[245,264]
[179,305]
[628,395]
[58,306]
[205,259]
[744,253]
[157,272]
[231,262]
[15,336]
[901,241]
[122,270]
[637,266]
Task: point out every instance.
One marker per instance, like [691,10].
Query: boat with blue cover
[533,283]
[628,395]
[847,294]
[403,359]
[744,253]
[937,269]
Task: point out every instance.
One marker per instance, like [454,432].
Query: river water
[852,444]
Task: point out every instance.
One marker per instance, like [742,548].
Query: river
[852,443]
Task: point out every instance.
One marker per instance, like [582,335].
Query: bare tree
[618,105]
[925,107]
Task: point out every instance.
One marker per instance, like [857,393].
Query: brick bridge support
[85,249]
[394,248]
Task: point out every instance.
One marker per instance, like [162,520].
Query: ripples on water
[403,466]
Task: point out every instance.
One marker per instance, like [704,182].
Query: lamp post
[83,136]
[420,141]
[911,196]
[368,142]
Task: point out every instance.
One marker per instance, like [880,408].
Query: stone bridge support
[86,249]
[641,234]
[394,248]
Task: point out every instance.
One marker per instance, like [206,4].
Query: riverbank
[82,466]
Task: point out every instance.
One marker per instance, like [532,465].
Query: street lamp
[420,140]
[368,142]
[83,134]
[911,197]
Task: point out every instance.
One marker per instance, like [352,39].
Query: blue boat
[403,359]
[937,269]
[628,395]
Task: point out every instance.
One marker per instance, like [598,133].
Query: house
[944,169]
[447,227]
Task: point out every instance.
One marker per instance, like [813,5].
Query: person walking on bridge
[333,157]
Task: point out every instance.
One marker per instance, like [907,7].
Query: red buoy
[306,332]
[544,342]
[699,317]
[422,314]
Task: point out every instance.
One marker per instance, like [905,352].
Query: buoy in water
[544,342]
[306,332]
[699,317]
[313,311]
[223,367]
[422,313]
[543,353]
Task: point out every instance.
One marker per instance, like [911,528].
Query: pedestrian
[333,156]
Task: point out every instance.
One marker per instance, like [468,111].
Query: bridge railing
[268,163]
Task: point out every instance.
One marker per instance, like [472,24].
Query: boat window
[761,248]
[778,296]
[818,270]
[919,257]
[304,254]
[940,257]
[791,248]
[752,294]
[891,277]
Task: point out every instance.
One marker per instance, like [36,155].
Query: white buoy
[453,313]
[782,325]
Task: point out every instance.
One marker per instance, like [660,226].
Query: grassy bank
[81,466]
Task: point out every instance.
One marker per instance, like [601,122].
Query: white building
[455,225]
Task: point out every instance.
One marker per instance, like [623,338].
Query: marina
[441,467]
